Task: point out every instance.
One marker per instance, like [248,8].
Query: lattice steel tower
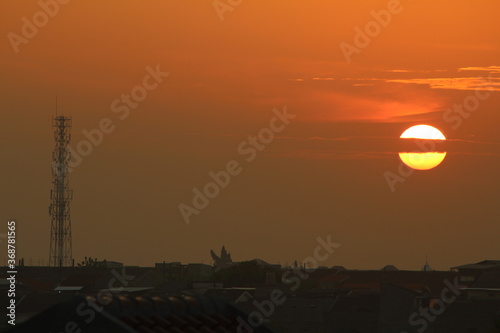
[60,196]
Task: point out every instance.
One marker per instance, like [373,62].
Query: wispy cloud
[489,69]
[363,84]
[463,82]
[334,155]
[414,71]
[455,83]
[373,147]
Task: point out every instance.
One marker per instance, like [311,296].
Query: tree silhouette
[91,262]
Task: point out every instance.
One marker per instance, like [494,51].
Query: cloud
[333,155]
[363,84]
[489,69]
[414,71]
[373,147]
[384,94]
[455,83]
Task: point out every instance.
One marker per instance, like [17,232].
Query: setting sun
[422,160]
[423,132]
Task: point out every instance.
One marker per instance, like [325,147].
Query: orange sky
[323,174]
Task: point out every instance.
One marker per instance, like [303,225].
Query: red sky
[323,174]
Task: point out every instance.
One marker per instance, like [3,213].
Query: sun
[423,132]
[422,160]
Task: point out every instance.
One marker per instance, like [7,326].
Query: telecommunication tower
[60,196]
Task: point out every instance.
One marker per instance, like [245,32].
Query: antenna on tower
[60,196]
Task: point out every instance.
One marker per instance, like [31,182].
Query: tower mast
[60,196]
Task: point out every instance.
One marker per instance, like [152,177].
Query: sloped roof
[485,264]
[40,301]
[129,314]
[389,268]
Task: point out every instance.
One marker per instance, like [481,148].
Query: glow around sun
[422,160]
